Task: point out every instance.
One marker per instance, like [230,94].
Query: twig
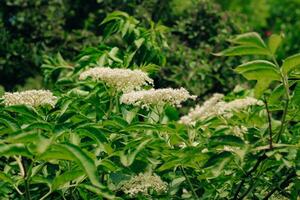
[283,120]
[270,123]
[259,160]
[189,182]
[27,170]
[282,185]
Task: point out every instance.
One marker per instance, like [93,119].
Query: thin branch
[247,191]
[189,182]
[283,120]
[270,123]
[254,168]
[27,169]
[282,185]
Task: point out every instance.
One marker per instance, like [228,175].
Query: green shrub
[199,31]
[105,133]
[269,16]
[29,29]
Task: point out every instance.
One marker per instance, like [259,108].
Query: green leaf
[127,159]
[243,50]
[172,113]
[274,42]
[4,177]
[264,72]
[249,39]
[92,132]
[23,138]
[24,110]
[39,125]
[217,158]
[65,178]
[9,122]
[54,154]
[138,43]
[230,140]
[83,160]
[169,164]
[276,94]
[14,149]
[291,63]
[174,187]
[113,55]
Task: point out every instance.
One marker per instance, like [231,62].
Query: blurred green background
[33,29]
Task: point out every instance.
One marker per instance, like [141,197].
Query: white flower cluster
[239,104]
[32,98]
[216,106]
[124,80]
[141,184]
[239,130]
[208,109]
[147,98]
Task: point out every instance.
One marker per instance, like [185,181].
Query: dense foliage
[104,132]
[31,29]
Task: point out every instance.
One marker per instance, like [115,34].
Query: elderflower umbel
[142,183]
[216,106]
[147,98]
[207,110]
[32,98]
[239,104]
[124,80]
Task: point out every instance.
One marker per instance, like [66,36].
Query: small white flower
[32,98]
[208,109]
[216,106]
[124,80]
[141,184]
[147,98]
[239,130]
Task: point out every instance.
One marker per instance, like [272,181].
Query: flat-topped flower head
[142,183]
[209,108]
[217,106]
[124,80]
[239,104]
[152,97]
[32,98]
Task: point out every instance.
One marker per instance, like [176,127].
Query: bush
[30,29]
[200,30]
[269,16]
[105,133]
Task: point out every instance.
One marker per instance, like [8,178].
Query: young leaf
[274,42]
[249,39]
[128,159]
[243,50]
[65,178]
[264,72]
[276,95]
[291,63]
